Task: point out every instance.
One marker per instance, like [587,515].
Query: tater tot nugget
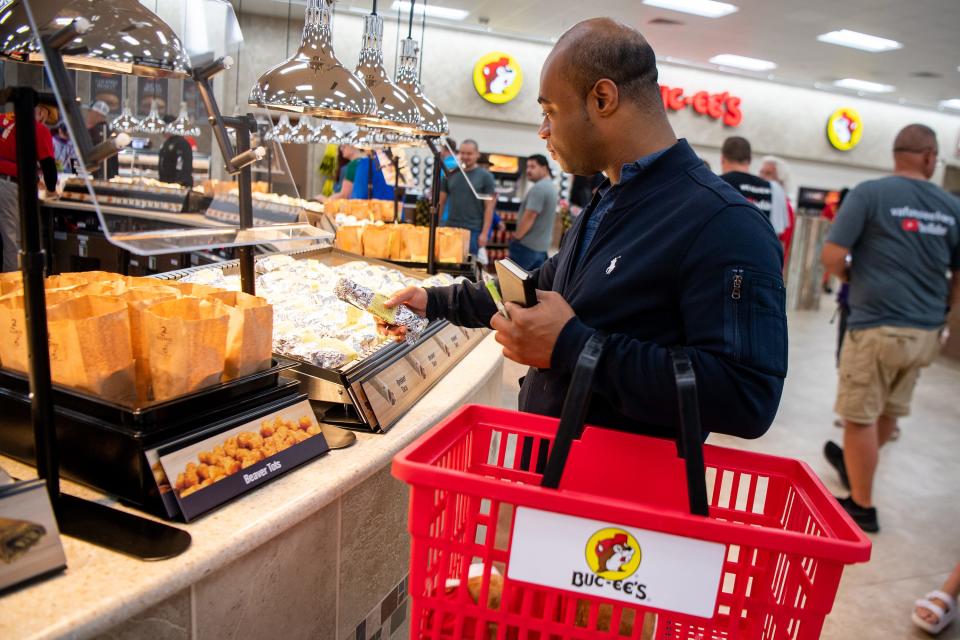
[313,429]
[181,482]
[305,422]
[267,429]
[249,440]
[231,466]
[191,473]
[193,489]
[206,457]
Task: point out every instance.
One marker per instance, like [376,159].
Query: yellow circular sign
[613,553]
[844,128]
[497,77]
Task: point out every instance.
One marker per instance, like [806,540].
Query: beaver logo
[844,129]
[613,553]
[497,77]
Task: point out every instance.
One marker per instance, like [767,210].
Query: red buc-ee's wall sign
[719,106]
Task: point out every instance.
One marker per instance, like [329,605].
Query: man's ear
[605,97]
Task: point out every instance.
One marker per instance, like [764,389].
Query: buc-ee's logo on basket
[613,555]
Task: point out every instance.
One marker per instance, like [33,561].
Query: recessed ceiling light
[433,11]
[857,40]
[864,85]
[743,62]
[705,8]
[952,103]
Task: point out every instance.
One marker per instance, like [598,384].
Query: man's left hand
[529,336]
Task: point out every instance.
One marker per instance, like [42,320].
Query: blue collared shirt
[608,196]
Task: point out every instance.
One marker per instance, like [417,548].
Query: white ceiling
[783,31]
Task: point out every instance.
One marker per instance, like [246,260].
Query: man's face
[40,113]
[930,161]
[572,137]
[768,171]
[469,155]
[535,171]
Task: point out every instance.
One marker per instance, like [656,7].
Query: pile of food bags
[136,341]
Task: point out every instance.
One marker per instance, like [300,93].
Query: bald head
[915,151]
[604,48]
[915,137]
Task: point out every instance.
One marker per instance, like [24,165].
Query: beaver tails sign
[497,77]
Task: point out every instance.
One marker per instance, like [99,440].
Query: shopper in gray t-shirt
[902,235]
[537,213]
[466,211]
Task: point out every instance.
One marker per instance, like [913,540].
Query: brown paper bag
[398,248]
[450,245]
[90,347]
[137,301]
[350,239]
[13,327]
[195,290]
[249,334]
[187,345]
[63,281]
[10,282]
[377,240]
[417,243]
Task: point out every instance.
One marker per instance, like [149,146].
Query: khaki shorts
[879,368]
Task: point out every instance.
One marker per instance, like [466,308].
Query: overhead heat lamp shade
[302,133]
[123,37]
[433,122]
[313,81]
[153,123]
[182,126]
[395,109]
[127,122]
[324,133]
[282,131]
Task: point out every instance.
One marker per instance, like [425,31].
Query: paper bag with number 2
[90,346]
[188,345]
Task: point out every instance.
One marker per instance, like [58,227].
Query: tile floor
[918,481]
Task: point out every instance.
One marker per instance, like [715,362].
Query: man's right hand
[415,299]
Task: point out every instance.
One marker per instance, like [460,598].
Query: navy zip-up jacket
[680,259]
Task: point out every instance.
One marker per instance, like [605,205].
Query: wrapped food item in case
[364,298]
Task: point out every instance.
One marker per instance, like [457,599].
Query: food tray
[196,405]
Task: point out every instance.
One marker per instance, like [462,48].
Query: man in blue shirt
[666,255]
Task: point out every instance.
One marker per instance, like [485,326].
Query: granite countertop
[101,588]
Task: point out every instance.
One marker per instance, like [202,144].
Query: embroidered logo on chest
[612,265]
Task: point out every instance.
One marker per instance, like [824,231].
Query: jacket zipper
[736,294]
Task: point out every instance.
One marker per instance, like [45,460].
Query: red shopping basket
[619,548]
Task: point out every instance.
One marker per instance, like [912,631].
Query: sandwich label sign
[605,560]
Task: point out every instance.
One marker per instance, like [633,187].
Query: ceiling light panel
[743,62]
[433,11]
[705,8]
[864,85]
[861,41]
[952,103]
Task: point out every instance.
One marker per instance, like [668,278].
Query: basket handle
[574,413]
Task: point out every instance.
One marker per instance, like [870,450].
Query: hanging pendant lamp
[126,122]
[394,107]
[182,126]
[324,133]
[122,36]
[153,123]
[302,132]
[313,81]
[280,132]
[433,121]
